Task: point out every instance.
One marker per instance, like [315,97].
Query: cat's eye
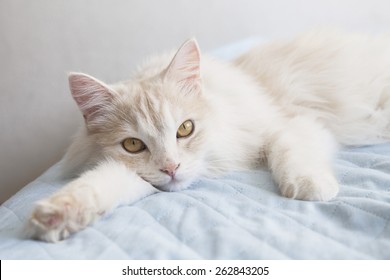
[185,129]
[133,145]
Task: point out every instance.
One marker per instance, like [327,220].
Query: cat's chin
[174,185]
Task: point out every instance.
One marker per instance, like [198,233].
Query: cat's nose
[170,169]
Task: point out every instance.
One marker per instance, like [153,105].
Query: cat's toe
[49,220]
[320,188]
[45,224]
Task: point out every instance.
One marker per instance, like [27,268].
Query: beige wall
[41,40]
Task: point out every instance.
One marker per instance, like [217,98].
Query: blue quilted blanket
[238,216]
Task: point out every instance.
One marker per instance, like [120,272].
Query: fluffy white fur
[84,199]
[286,105]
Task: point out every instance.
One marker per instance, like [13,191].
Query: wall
[41,40]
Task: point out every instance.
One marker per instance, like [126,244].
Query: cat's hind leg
[83,200]
[299,154]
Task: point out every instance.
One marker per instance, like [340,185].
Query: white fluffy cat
[286,105]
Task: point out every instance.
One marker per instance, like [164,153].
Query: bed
[238,216]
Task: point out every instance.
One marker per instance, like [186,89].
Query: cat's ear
[90,94]
[185,66]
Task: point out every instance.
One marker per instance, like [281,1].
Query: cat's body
[342,80]
[286,106]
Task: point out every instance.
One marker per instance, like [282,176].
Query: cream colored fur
[287,105]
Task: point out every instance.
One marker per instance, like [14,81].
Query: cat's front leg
[84,199]
[299,155]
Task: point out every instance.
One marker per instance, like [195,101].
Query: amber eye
[133,145]
[185,129]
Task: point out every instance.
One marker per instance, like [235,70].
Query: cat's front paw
[55,218]
[322,187]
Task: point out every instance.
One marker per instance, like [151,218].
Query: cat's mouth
[167,183]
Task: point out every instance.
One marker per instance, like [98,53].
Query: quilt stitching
[311,229]
[227,218]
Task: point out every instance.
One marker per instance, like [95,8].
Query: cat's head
[155,125]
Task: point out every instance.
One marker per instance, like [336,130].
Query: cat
[287,105]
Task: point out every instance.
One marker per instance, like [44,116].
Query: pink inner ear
[89,93]
[185,66]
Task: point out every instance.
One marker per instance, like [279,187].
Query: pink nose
[170,169]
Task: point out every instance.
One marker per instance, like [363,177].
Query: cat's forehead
[151,108]
[153,112]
